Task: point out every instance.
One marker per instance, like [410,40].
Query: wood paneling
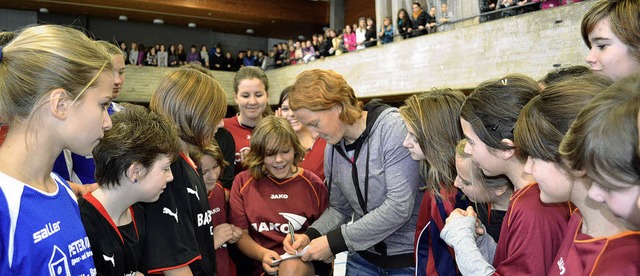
[268,18]
[355,9]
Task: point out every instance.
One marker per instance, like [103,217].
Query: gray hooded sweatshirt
[387,179]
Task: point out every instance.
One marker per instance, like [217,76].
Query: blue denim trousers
[359,266]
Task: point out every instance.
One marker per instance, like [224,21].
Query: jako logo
[279,196]
[296,220]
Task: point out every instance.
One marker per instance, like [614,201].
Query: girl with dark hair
[488,118]
[251,94]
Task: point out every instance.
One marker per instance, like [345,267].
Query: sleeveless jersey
[41,233]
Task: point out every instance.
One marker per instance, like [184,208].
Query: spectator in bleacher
[173,57]
[248,59]
[404,24]
[163,57]
[182,56]
[308,52]
[323,46]
[337,45]
[292,55]
[142,55]
[281,55]
[261,60]
[431,20]
[315,43]
[125,52]
[133,54]
[229,62]
[386,31]
[216,60]
[270,61]
[446,16]
[193,56]
[418,20]
[298,52]
[152,57]
[487,6]
[361,33]
[370,34]
[239,62]
[204,56]
[349,39]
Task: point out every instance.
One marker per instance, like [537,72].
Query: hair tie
[1,53]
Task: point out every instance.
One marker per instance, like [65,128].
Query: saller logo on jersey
[48,230]
[279,196]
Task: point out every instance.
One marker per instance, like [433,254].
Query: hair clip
[495,127]
[504,81]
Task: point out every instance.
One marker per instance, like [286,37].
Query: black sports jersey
[179,229]
[114,251]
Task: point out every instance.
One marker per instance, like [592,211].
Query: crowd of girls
[516,178]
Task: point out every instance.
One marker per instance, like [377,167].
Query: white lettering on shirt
[48,230]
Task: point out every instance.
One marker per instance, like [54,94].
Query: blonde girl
[56,88]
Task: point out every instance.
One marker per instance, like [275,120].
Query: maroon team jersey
[264,206]
[581,254]
[314,158]
[224,264]
[531,234]
[241,136]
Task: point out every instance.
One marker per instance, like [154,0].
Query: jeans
[359,266]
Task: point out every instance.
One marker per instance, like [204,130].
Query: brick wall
[530,44]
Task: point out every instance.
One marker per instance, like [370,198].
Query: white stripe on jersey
[12,190]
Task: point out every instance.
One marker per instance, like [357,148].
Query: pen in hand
[292,232]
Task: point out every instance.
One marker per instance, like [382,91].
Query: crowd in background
[353,37]
[549,169]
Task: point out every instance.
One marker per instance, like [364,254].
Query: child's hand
[455,214]
[225,233]
[472,213]
[268,256]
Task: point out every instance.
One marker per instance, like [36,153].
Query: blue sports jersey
[41,233]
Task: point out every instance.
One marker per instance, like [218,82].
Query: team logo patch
[194,192]
[110,259]
[167,211]
[58,264]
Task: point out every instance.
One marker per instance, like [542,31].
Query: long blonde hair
[44,58]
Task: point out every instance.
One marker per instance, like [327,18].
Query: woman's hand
[302,240]
[318,250]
